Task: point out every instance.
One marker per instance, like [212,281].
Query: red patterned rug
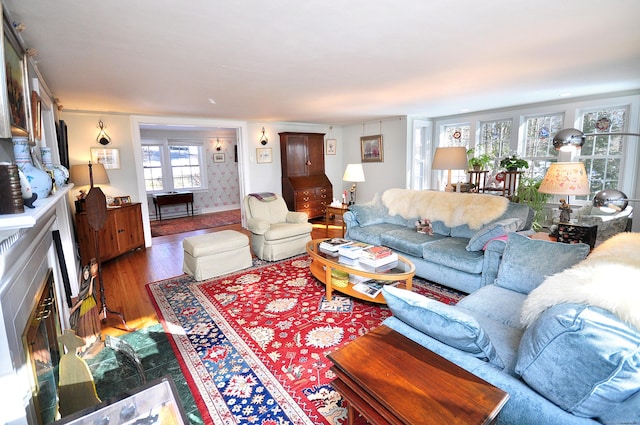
[253,345]
[197,222]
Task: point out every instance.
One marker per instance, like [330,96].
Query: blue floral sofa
[559,334]
[462,253]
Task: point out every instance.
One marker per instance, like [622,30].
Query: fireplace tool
[96,207]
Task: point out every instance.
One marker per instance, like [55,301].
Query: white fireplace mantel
[27,253]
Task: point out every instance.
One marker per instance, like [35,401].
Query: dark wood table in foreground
[390,379]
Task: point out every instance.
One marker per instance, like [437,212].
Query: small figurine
[565,211]
[424,226]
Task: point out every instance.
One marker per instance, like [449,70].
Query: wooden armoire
[305,186]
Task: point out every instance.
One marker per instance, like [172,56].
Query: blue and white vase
[39,180]
[60,173]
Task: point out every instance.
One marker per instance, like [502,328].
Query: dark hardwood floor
[125,277]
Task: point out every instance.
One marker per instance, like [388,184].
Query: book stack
[331,246]
[350,254]
[377,256]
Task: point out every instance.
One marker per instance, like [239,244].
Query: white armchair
[276,232]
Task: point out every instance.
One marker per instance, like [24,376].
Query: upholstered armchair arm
[297,217]
[350,221]
[491,262]
[257,226]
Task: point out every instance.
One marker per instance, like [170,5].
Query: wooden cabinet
[305,187]
[121,233]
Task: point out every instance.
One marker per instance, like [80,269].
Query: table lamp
[565,178]
[450,158]
[80,176]
[354,174]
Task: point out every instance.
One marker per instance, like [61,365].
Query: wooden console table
[172,198]
[390,379]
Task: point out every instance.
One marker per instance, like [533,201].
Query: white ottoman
[215,254]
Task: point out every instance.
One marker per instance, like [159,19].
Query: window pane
[456,135]
[495,137]
[537,146]
[185,166]
[152,163]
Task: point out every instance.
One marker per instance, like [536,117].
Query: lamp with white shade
[450,158]
[353,174]
[565,178]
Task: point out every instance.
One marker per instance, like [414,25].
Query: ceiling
[329,61]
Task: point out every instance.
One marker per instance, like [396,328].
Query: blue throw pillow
[368,214]
[527,262]
[582,358]
[447,324]
[492,231]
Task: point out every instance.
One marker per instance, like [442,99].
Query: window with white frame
[172,164]
[537,145]
[602,155]
[495,138]
[421,164]
[456,135]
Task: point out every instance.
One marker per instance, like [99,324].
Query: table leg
[326,222]
[327,282]
[351,415]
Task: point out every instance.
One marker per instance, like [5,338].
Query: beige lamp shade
[450,158]
[565,178]
[79,174]
[353,173]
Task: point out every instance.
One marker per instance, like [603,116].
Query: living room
[351,111]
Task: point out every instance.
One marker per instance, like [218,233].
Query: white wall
[379,176]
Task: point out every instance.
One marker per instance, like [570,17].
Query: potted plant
[528,194]
[513,163]
[478,163]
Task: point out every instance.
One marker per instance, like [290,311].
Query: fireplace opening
[41,344]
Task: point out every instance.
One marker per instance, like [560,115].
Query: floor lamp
[96,208]
[450,158]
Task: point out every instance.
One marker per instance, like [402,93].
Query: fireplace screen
[43,349]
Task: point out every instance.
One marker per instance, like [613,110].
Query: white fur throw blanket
[454,209]
[608,278]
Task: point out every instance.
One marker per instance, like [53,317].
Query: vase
[60,173]
[40,181]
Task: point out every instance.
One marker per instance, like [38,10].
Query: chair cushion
[269,211]
[582,358]
[527,262]
[492,231]
[447,324]
[287,230]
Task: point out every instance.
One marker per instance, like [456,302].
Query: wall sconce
[263,140]
[218,145]
[103,138]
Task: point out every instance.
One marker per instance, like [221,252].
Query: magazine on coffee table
[372,288]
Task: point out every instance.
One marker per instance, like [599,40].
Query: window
[456,135]
[495,137]
[421,164]
[602,155]
[537,146]
[172,164]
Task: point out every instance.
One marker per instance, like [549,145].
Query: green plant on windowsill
[513,163]
[528,194]
[478,163]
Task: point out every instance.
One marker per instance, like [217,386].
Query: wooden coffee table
[390,379]
[322,265]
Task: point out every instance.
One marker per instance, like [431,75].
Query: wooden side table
[335,211]
[172,198]
[390,379]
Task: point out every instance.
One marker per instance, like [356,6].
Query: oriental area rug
[196,222]
[253,345]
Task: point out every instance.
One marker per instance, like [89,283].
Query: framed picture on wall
[263,155]
[331,147]
[17,99]
[371,148]
[110,158]
[218,157]
[36,115]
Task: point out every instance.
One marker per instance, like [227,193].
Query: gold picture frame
[36,115]
[263,155]
[371,148]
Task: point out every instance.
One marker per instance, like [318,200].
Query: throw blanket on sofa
[264,196]
[608,278]
[453,209]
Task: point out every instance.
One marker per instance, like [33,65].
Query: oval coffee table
[322,265]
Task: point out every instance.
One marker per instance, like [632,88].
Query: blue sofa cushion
[527,262]
[582,358]
[451,252]
[369,214]
[407,241]
[372,234]
[492,231]
[510,303]
[447,324]
[440,228]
